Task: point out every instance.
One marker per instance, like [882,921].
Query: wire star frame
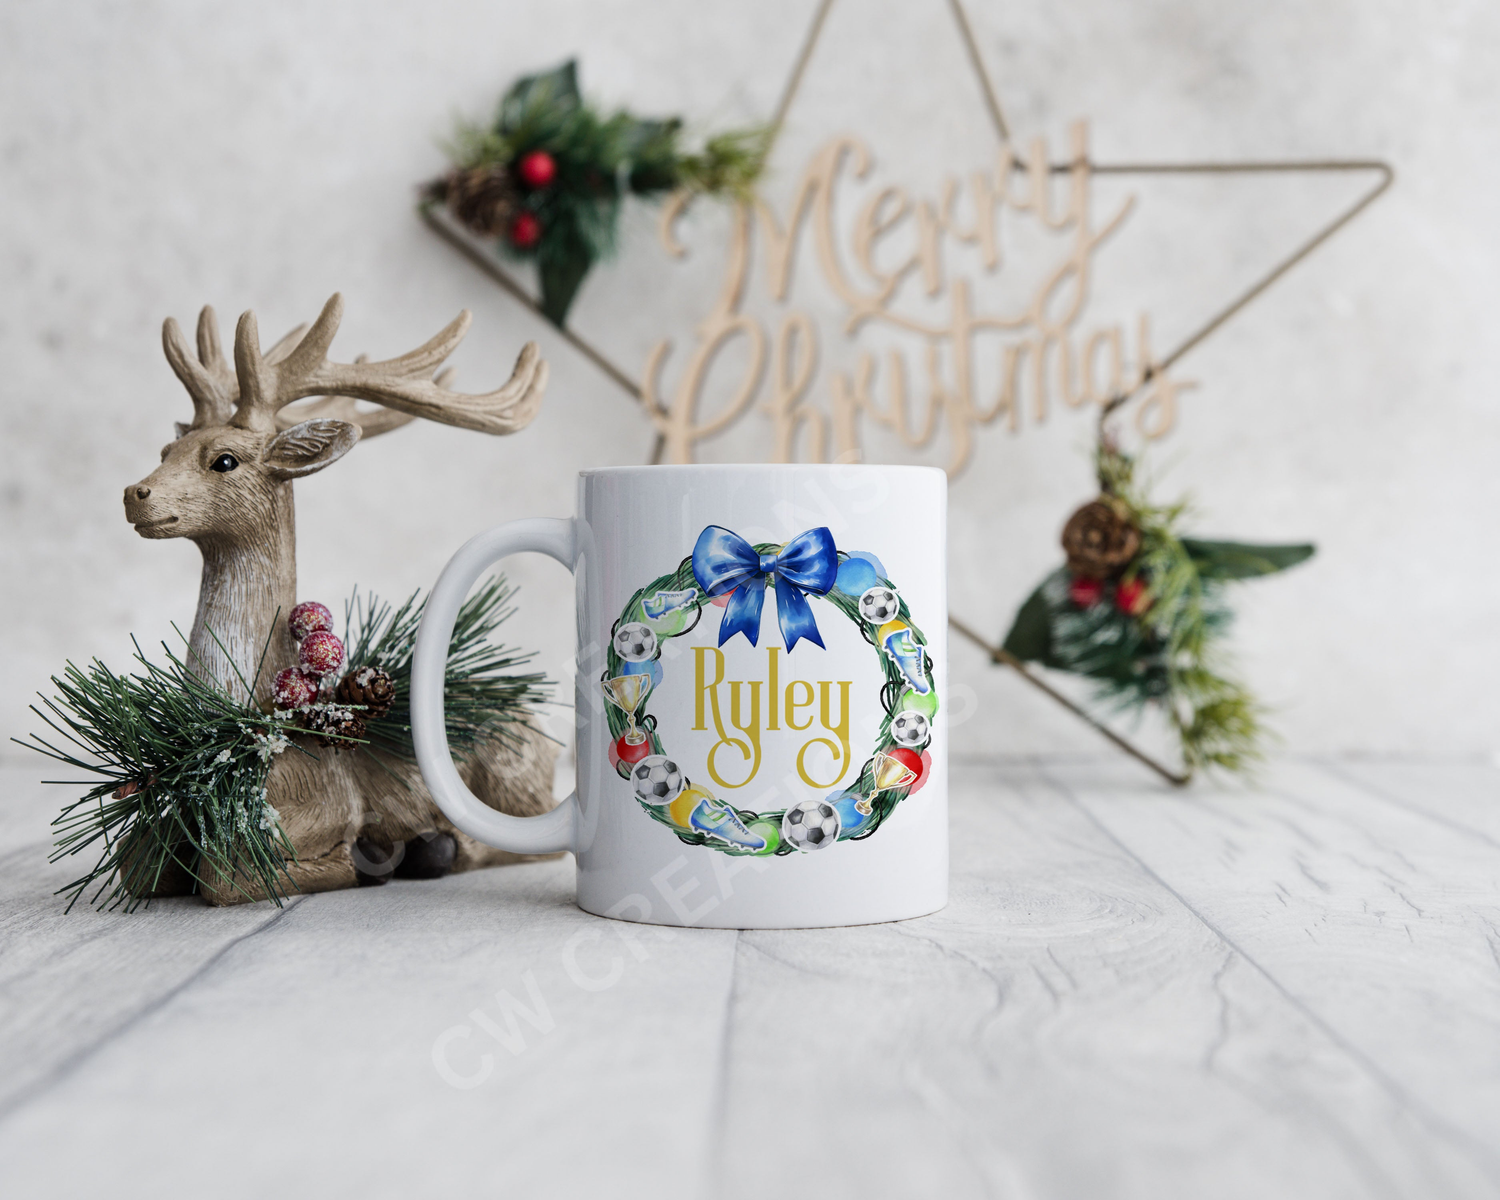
[475,251]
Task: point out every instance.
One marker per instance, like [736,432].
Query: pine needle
[1170,656]
[599,159]
[182,764]
[184,768]
[483,700]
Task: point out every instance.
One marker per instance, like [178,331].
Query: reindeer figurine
[226,483]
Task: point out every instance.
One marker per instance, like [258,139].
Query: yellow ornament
[681,809]
[889,628]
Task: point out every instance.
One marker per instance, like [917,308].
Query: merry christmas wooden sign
[910,273]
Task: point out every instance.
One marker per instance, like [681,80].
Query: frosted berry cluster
[320,653]
[309,617]
[292,689]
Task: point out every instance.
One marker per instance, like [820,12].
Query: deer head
[225,482]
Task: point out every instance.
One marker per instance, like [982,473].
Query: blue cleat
[718,820]
[906,652]
[663,603]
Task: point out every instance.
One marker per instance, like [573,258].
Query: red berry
[1132,598]
[309,617]
[1085,592]
[632,753]
[537,169]
[293,688]
[321,653]
[525,231]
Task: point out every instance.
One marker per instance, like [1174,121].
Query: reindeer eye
[225,462]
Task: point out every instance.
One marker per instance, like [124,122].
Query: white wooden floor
[1292,992]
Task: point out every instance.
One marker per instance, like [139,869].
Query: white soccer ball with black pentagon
[811,825]
[879,605]
[910,729]
[635,642]
[657,779]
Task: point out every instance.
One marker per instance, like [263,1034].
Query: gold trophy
[888,773]
[626,692]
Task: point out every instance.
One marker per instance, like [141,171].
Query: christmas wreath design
[727,573]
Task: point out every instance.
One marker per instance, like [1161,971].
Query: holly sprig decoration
[547,175]
[1140,609]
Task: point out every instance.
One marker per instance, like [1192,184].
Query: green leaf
[1030,636]
[1243,560]
[560,276]
[644,136]
[649,151]
[484,697]
[555,90]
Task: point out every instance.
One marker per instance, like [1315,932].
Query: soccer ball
[635,642]
[910,729]
[811,825]
[879,605]
[657,779]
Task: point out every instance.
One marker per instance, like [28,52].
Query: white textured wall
[154,156]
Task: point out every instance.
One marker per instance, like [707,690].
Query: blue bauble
[651,667]
[851,820]
[873,561]
[856,576]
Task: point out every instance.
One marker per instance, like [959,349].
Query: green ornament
[768,830]
[673,623]
[914,701]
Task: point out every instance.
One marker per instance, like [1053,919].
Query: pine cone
[337,721]
[483,198]
[1100,539]
[369,686]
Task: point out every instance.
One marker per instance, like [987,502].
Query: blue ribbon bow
[725,562]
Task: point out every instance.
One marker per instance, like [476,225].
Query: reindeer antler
[404,384]
[208,379]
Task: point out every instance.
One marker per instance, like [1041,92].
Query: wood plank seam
[1379,793]
[718,1119]
[1481,1155]
[84,1054]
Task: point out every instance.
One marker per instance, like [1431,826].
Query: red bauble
[909,759]
[308,617]
[632,754]
[912,762]
[537,169]
[525,231]
[1132,598]
[293,688]
[1085,592]
[926,770]
[320,653]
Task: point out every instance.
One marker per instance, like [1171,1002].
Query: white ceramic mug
[762,739]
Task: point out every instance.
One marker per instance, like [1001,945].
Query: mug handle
[551,831]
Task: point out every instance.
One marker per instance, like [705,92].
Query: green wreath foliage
[882,803]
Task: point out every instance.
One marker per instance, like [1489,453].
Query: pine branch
[597,158]
[484,700]
[183,765]
[1171,655]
